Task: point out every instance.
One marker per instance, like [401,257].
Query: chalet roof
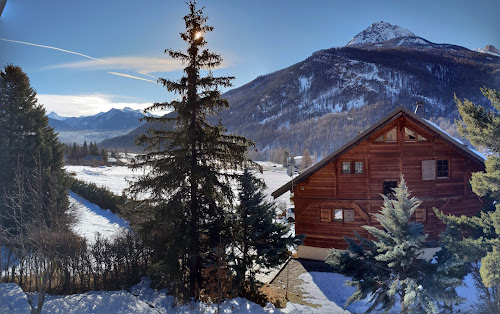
[394,115]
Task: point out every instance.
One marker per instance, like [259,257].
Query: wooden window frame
[389,190]
[447,170]
[384,137]
[419,138]
[421,214]
[362,167]
[325,215]
[335,219]
[350,212]
[352,167]
[342,167]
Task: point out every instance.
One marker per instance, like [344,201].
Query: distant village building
[339,194]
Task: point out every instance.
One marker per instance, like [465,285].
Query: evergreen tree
[93,149]
[190,168]
[27,140]
[306,161]
[75,151]
[259,242]
[389,270]
[104,154]
[31,159]
[84,151]
[472,239]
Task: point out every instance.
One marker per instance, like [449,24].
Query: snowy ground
[118,178]
[324,290]
[90,219]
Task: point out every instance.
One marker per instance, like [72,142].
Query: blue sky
[254,38]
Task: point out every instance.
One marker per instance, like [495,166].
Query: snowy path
[91,219]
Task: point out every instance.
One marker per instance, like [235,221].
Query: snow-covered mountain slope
[379,32]
[489,49]
[325,100]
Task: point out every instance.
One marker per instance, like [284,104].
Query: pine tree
[389,269]
[190,167]
[472,239]
[259,242]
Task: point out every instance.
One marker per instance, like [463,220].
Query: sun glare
[198,35]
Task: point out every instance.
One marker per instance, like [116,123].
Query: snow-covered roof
[481,155]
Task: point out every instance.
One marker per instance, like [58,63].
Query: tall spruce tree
[190,167]
[475,241]
[258,241]
[390,269]
[28,144]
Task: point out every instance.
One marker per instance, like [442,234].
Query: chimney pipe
[419,104]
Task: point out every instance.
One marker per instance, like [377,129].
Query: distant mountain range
[97,127]
[325,100]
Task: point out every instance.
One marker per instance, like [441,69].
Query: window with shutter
[348,215]
[325,215]
[421,214]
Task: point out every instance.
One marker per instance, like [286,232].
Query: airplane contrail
[131,76]
[54,48]
[81,55]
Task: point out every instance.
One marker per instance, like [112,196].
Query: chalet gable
[414,129]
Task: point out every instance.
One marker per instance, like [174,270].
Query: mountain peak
[378,32]
[55,116]
[492,50]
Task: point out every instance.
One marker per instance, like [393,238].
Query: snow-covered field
[90,220]
[118,178]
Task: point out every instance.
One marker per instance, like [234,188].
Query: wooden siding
[330,188]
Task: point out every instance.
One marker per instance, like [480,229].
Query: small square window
[348,215]
[325,215]
[358,167]
[442,169]
[346,167]
[389,186]
[339,215]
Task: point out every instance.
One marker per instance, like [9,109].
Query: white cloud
[142,65]
[88,104]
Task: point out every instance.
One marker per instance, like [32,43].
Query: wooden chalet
[339,194]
